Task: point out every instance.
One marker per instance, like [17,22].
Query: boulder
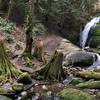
[25,78]
[81,58]
[94,37]
[18,87]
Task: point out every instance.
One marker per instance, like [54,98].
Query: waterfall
[85,32]
[84,37]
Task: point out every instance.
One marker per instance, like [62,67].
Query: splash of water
[85,32]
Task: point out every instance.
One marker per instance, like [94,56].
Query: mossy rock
[25,78]
[74,94]
[94,41]
[82,59]
[18,87]
[94,37]
[2,90]
[4,98]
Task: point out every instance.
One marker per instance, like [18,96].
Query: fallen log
[89,74]
[89,85]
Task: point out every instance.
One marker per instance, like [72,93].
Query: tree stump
[53,69]
[39,51]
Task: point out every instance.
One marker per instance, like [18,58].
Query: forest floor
[51,42]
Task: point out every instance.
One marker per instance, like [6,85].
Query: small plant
[6,26]
[38,28]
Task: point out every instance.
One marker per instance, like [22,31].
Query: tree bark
[29,41]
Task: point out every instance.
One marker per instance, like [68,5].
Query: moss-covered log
[74,94]
[89,74]
[89,85]
[7,69]
[39,51]
[53,69]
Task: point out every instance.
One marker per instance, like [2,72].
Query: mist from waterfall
[84,37]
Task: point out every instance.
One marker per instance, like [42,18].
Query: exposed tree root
[7,69]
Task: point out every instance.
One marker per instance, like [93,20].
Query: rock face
[68,49]
[74,94]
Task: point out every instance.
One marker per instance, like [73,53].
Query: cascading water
[84,37]
[84,34]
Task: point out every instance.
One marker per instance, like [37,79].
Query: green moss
[4,98]
[2,78]
[94,41]
[2,90]
[94,36]
[74,94]
[89,85]
[18,87]
[25,78]
[76,81]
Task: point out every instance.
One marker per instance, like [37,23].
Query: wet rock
[18,87]
[24,95]
[81,58]
[74,94]
[4,98]
[94,36]
[25,78]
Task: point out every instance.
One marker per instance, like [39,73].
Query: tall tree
[29,21]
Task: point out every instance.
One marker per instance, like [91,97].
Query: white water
[85,32]
[84,37]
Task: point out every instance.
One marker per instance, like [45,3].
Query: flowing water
[84,37]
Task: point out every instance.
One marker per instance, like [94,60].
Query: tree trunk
[54,70]
[29,41]
[16,11]
[4,5]
[7,69]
